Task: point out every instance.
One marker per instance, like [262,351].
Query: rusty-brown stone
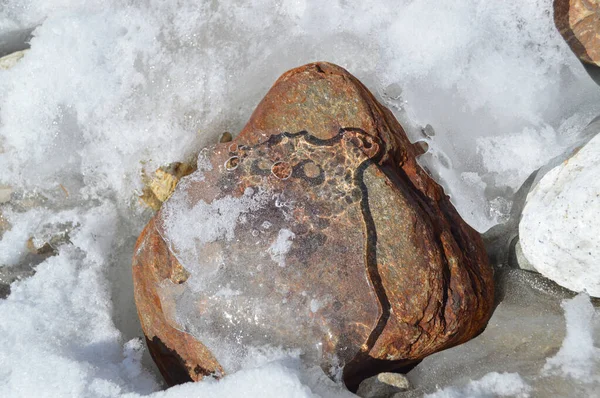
[578,21]
[394,272]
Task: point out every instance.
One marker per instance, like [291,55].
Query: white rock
[560,227]
[10,60]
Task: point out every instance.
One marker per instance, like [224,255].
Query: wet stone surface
[578,21]
[315,231]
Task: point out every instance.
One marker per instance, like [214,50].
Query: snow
[276,379]
[492,384]
[111,89]
[281,246]
[139,76]
[578,357]
[59,338]
[558,230]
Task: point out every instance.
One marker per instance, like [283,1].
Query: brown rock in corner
[348,245]
[578,21]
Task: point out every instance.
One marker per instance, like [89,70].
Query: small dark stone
[384,385]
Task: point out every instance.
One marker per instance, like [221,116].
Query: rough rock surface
[557,229]
[314,229]
[578,21]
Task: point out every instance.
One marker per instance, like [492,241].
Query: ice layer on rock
[248,239]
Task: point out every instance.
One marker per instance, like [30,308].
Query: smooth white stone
[560,227]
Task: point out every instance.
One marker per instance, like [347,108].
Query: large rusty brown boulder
[578,21]
[314,229]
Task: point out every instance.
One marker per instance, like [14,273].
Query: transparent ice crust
[273,239]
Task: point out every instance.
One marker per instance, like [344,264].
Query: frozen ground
[111,87]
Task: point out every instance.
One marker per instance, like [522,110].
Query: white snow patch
[515,156]
[578,357]
[280,378]
[227,291]
[59,338]
[493,384]
[14,241]
[474,85]
[281,246]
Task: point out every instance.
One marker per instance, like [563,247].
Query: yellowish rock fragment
[159,187]
[10,60]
